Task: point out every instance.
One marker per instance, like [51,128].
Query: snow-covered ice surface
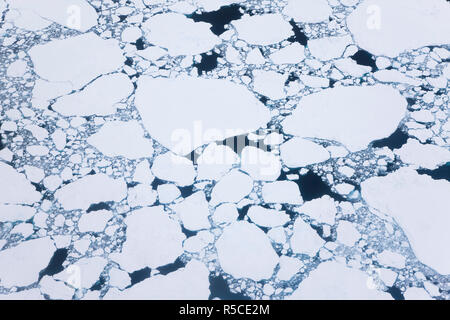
[200,149]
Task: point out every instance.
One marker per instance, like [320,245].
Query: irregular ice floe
[332,280]
[17,68]
[141,196]
[90,190]
[298,152]
[215,161]
[391,259]
[15,188]
[328,48]
[184,37]
[173,168]
[305,239]
[73,14]
[288,267]
[244,251]
[193,211]
[423,155]
[263,29]
[15,212]
[84,273]
[190,282]
[99,97]
[260,164]
[225,213]
[308,11]
[408,197]
[122,138]
[354,116]
[267,217]
[385,27]
[322,209]
[233,187]
[153,240]
[292,54]
[211,115]
[94,221]
[347,234]
[281,192]
[21,264]
[55,289]
[269,83]
[76,60]
[395,76]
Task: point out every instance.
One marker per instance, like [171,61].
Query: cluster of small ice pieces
[119,178]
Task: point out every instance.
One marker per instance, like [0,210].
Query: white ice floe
[153,240]
[225,213]
[423,155]
[119,278]
[298,152]
[190,282]
[31,294]
[21,264]
[347,233]
[385,27]
[100,97]
[288,267]
[260,164]
[76,60]
[414,293]
[84,273]
[34,15]
[183,37]
[395,76]
[89,190]
[15,212]
[215,161]
[15,188]
[292,54]
[168,192]
[391,259]
[94,221]
[332,280]
[142,173]
[328,48]
[354,116]
[267,217]
[56,290]
[305,239]
[281,192]
[141,196]
[244,251]
[269,83]
[308,11]
[233,187]
[193,211]
[17,68]
[408,197]
[206,111]
[322,209]
[122,138]
[173,168]
[263,29]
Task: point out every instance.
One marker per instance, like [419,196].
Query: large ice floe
[224,149]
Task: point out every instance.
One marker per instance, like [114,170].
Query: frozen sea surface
[204,149]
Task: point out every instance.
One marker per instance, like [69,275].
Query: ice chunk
[84,273]
[269,84]
[17,68]
[263,29]
[99,97]
[347,233]
[334,281]
[288,267]
[215,161]
[168,193]
[153,240]
[408,197]
[193,211]
[260,164]
[89,190]
[329,47]
[190,282]
[231,188]
[15,212]
[385,27]
[141,196]
[267,217]
[210,115]
[122,138]
[423,155]
[292,54]
[77,60]
[354,116]
[55,289]
[170,167]
[94,221]
[308,11]
[179,35]
[305,239]
[299,152]
[15,188]
[391,259]
[73,14]
[245,252]
[21,264]
[322,209]
[282,192]
[225,213]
